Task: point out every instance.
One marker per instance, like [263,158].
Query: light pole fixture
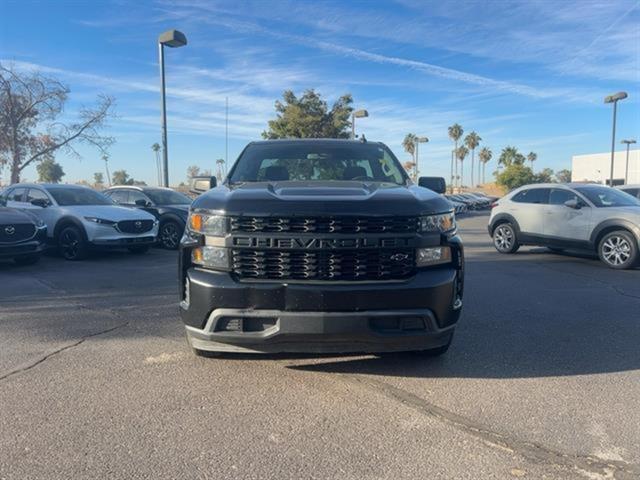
[173,39]
[630,141]
[614,99]
[354,115]
[417,141]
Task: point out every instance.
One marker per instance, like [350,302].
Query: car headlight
[211,257]
[214,225]
[100,221]
[426,257]
[443,223]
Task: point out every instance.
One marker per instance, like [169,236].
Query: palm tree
[105,157]
[509,156]
[484,156]
[455,133]
[156,148]
[222,170]
[472,141]
[461,153]
[532,157]
[409,145]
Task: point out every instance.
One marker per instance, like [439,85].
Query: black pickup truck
[321,246]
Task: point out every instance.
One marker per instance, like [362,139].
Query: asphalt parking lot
[542,381]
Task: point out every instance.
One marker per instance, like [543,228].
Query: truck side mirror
[436,184]
[202,184]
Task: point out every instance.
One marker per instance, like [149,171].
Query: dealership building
[597,167]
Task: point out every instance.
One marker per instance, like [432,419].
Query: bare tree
[30,131]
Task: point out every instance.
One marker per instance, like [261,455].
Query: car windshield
[167,197]
[316,161]
[608,197]
[78,196]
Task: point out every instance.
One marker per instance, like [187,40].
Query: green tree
[31,129]
[510,156]
[545,176]
[310,117]
[563,176]
[455,134]
[98,179]
[49,171]
[121,177]
[484,156]
[461,154]
[472,141]
[532,157]
[515,175]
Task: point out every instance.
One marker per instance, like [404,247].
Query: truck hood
[322,198]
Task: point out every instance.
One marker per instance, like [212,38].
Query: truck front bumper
[223,314]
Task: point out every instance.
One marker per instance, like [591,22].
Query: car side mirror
[40,202]
[573,203]
[141,202]
[436,184]
[202,184]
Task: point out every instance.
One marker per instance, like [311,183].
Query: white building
[597,167]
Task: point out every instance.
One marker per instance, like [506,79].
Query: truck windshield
[313,161]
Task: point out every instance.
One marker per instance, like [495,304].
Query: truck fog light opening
[432,256]
[211,257]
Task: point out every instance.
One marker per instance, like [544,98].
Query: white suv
[569,216]
[78,218]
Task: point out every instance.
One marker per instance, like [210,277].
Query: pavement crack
[69,346]
[593,466]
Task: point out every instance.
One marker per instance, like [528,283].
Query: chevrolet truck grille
[250,224]
[345,265]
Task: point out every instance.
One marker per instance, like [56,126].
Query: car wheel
[169,234]
[505,239]
[618,250]
[140,249]
[72,244]
[27,259]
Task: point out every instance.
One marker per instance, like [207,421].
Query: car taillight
[494,204]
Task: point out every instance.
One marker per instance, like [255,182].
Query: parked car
[472,204]
[22,235]
[459,207]
[171,208]
[633,190]
[79,218]
[569,216]
[321,246]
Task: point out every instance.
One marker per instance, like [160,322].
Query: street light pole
[614,99]
[416,142]
[626,168]
[354,115]
[173,39]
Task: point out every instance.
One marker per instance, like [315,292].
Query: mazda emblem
[10,230]
[138,225]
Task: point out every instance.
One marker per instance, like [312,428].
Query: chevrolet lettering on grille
[305,243]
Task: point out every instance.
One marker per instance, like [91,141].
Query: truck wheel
[505,239]
[72,244]
[618,250]
[139,250]
[27,259]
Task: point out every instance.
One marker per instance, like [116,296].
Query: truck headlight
[211,257]
[426,257]
[214,225]
[443,223]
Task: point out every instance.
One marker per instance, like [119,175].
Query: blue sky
[531,74]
